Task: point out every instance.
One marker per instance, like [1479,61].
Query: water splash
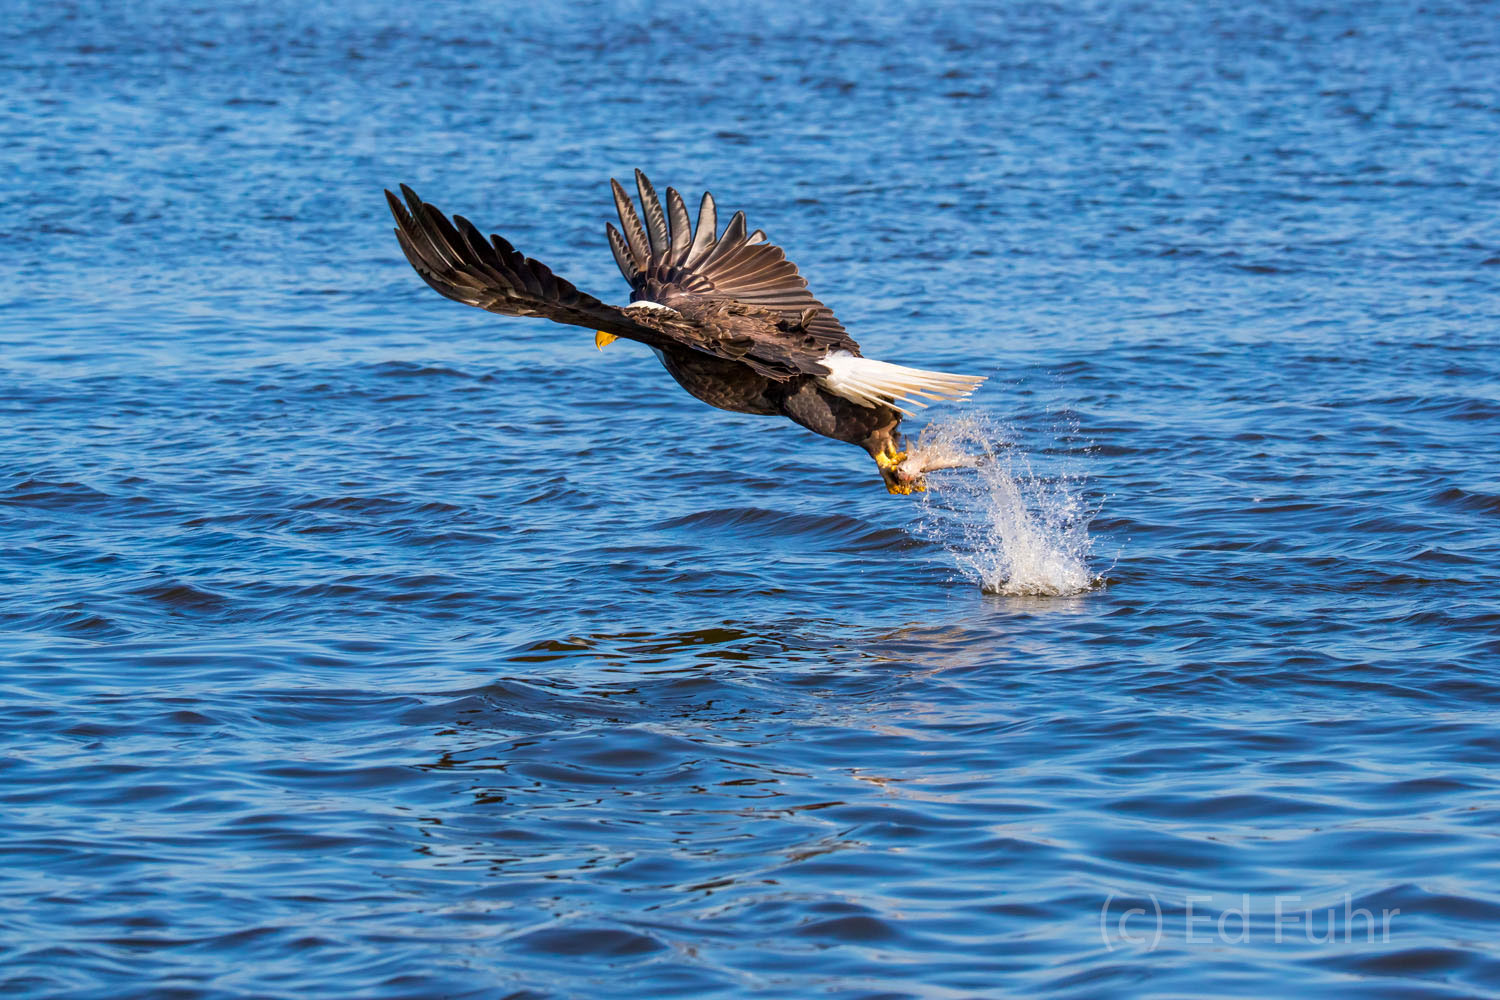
[1009,528]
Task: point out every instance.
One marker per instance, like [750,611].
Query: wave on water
[1009,528]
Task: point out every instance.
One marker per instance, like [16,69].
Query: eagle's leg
[883,446]
[873,428]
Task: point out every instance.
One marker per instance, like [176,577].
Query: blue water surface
[359,644]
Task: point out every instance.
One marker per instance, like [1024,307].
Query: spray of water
[1008,528]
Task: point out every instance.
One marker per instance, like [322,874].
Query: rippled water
[360,644]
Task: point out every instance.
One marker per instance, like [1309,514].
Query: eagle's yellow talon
[905,489]
[889,460]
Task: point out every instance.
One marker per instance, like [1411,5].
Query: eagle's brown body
[728,314]
[732,385]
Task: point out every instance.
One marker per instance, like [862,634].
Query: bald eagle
[728,315]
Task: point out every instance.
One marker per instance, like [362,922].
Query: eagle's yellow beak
[603,340]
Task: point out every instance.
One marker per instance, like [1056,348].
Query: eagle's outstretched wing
[461,264]
[666,261]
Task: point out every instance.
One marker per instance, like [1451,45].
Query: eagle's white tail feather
[872,383]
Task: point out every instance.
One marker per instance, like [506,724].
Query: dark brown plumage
[727,313]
